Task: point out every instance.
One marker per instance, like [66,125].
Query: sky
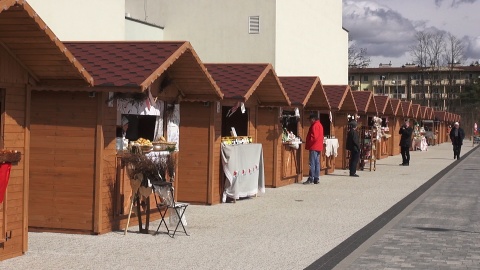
[386,28]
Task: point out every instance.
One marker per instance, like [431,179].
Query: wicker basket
[10,156]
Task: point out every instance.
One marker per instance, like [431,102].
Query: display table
[244,171]
[331,152]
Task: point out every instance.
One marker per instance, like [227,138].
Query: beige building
[300,38]
[94,20]
[435,88]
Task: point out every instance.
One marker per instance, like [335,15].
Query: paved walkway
[440,230]
[286,228]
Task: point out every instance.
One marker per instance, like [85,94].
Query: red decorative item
[4,177]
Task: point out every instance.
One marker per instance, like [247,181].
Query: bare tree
[454,54]
[435,49]
[357,57]
[454,51]
[419,53]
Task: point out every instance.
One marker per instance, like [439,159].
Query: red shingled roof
[362,100]
[306,92]
[397,109]
[423,111]
[407,108]
[340,97]
[440,115]
[429,114]
[240,81]
[122,63]
[381,102]
[28,39]
[139,64]
[416,110]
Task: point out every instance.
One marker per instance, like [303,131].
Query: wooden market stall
[307,94]
[416,113]
[385,112]
[407,110]
[342,104]
[395,124]
[430,126]
[367,110]
[30,55]
[441,120]
[252,106]
[422,113]
[77,171]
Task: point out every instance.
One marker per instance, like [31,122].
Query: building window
[254,24]
[365,78]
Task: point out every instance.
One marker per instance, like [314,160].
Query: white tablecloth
[243,168]
[331,147]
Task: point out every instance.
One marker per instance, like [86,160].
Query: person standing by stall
[314,144]
[405,142]
[456,136]
[353,145]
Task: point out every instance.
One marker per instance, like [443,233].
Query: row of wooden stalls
[62,103]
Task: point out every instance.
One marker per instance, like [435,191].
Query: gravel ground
[285,228]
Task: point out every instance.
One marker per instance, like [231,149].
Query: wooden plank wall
[269,135]
[340,127]
[394,126]
[13,81]
[217,162]
[193,160]
[108,221]
[14,138]
[62,160]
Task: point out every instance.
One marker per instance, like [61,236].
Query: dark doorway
[237,120]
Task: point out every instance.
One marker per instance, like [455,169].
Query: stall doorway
[237,120]
[325,121]
[62,161]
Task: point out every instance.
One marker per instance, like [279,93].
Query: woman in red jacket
[314,144]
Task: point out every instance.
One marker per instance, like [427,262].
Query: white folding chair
[165,192]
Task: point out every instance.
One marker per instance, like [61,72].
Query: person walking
[456,136]
[405,142]
[314,144]
[353,145]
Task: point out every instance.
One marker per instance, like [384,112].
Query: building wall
[77,20]
[218,29]
[298,37]
[139,31]
[310,40]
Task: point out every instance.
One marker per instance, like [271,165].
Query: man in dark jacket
[405,142]
[456,136]
[314,144]
[353,145]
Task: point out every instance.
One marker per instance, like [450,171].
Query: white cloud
[383,31]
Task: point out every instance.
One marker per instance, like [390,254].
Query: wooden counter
[291,164]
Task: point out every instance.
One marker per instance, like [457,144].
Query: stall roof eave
[340,97]
[364,102]
[248,80]
[26,37]
[143,63]
[305,91]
